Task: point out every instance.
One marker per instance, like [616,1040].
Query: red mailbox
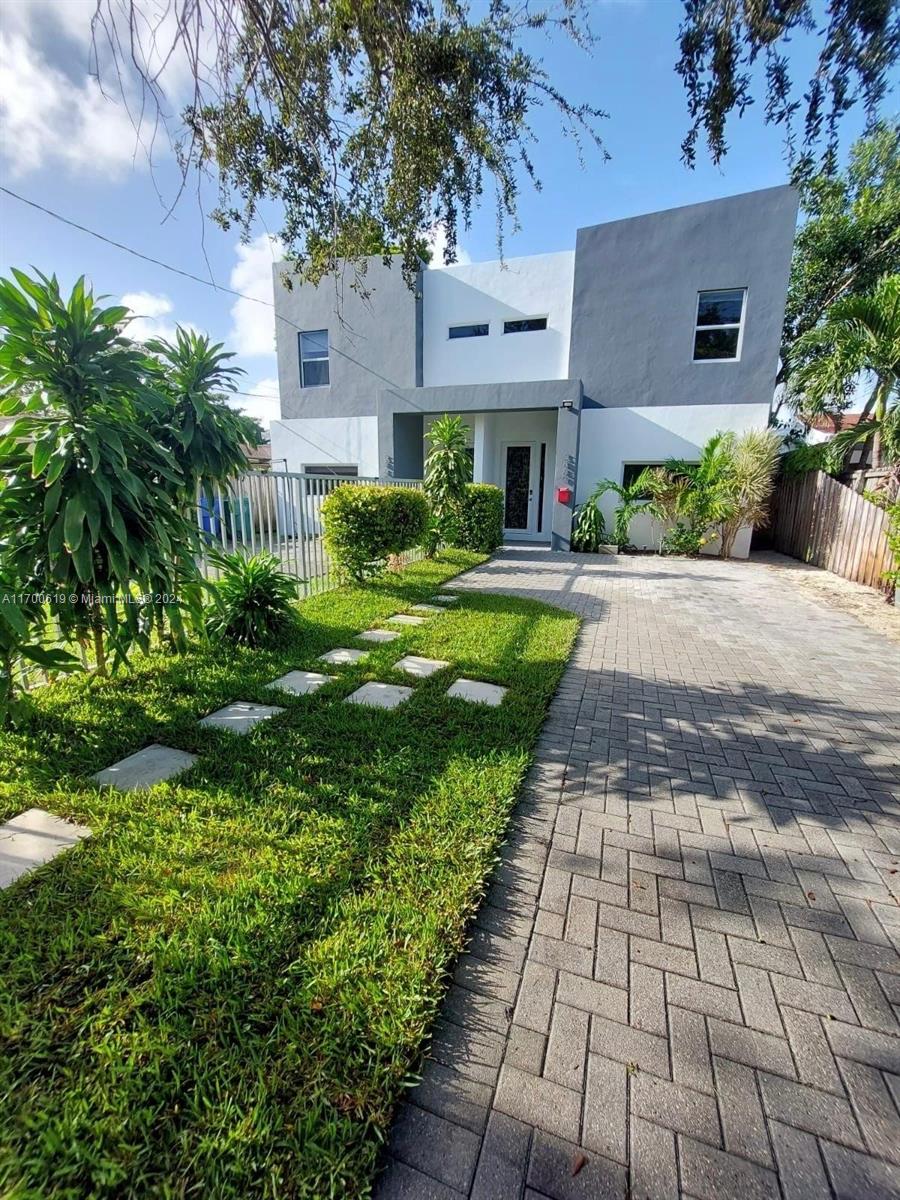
[564,495]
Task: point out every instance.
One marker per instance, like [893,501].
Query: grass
[225,990]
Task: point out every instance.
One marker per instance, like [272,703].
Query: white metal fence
[281,512]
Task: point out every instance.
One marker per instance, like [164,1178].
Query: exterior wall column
[568,424]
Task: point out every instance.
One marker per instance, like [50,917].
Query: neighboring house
[823,427]
[654,333]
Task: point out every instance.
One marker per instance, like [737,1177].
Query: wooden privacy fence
[280,512]
[820,521]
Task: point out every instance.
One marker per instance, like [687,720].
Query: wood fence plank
[821,521]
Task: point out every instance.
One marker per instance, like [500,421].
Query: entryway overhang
[402,414]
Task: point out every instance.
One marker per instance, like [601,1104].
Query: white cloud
[252,323]
[48,119]
[54,117]
[262,402]
[437,244]
[150,316]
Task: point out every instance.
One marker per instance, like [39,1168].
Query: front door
[519,487]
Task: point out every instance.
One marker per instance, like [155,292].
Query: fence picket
[281,511]
[824,522]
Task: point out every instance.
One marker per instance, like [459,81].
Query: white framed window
[719,328]
[314,371]
[479,329]
[525,325]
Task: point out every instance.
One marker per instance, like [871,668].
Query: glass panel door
[518,487]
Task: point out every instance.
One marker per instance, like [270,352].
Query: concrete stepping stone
[406,619]
[342,656]
[444,598]
[477,692]
[241,716]
[32,839]
[380,695]
[301,683]
[379,635]
[146,767]
[412,664]
[427,608]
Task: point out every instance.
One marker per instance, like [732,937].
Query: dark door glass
[518,472]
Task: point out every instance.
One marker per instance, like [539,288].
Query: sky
[71,146]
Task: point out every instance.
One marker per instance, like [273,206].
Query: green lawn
[223,992]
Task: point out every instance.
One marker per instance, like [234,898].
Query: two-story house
[654,333]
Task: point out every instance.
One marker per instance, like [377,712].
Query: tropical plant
[812,456]
[448,469]
[848,238]
[85,488]
[701,491]
[859,335]
[23,646]
[588,528]
[634,498]
[207,438]
[480,518]
[681,539]
[748,485]
[252,598]
[366,524]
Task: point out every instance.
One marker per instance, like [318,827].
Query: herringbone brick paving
[685,979]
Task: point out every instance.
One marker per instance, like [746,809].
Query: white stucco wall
[494,292]
[318,440]
[612,437]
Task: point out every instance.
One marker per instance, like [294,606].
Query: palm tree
[860,334]
[701,495]
[634,498]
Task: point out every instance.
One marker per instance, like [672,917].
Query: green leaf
[74,524]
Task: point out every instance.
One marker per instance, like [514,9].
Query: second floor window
[465,331]
[717,334]
[314,358]
[525,325]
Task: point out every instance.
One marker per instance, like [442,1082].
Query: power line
[130,250]
[176,271]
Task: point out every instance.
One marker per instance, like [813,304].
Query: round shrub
[366,523]
[480,518]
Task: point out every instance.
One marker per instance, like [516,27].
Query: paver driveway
[685,979]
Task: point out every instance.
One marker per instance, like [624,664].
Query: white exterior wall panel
[494,292]
[612,437]
[320,440]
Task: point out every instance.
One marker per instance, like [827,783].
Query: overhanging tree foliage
[369,121]
[849,236]
[723,41]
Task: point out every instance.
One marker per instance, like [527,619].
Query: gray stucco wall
[635,301]
[373,344]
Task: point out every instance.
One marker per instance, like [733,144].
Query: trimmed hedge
[365,524]
[480,518]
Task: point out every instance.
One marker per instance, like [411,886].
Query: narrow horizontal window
[526,325]
[461,331]
[344,470]
[314,371]
[717,332]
